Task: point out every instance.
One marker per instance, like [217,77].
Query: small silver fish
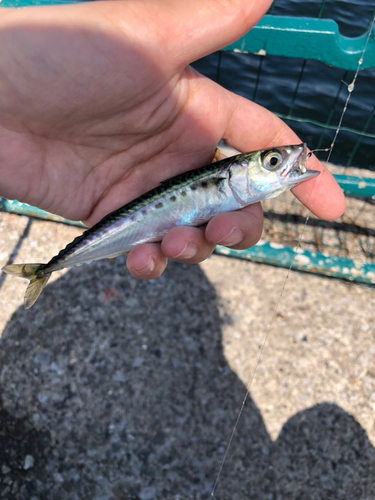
[189,199]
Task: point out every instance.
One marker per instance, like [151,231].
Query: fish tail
[35,273]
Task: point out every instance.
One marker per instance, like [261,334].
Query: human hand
[98,105]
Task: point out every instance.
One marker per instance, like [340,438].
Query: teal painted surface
[15,207]
[27,3]
[357,186]
[307,38]
[298,37]
[267,253]
[303,260]
[352,186]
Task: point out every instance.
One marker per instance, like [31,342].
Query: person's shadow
[118,389]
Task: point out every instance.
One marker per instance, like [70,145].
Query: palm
[91,136]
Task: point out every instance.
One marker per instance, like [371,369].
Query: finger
[214,25]
[146,262]
[238,230]
[321,195]
[253,127]
[187,244]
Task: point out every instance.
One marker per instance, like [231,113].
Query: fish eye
[272,160]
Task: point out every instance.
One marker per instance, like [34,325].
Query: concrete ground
[117,389]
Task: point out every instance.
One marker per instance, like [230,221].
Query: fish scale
[188,199]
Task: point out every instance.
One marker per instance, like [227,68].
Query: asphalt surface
[117,389]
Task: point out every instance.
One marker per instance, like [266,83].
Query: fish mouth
[298,172]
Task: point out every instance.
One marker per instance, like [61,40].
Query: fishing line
[249,385]
[351,87]
[315,150]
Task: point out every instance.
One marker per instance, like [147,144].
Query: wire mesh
[310,97]
[351,236]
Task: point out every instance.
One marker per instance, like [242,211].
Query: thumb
[195,28]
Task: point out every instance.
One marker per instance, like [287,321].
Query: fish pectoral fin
[33,272]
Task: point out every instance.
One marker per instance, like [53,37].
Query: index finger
[253,127]
[321,195]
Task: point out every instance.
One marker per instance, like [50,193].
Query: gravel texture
[117,389]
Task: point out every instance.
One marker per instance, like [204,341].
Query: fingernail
[147,268]
[189,251]
[232,238]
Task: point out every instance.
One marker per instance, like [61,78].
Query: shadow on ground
[118,389]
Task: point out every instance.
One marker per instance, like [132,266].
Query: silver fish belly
[189,199]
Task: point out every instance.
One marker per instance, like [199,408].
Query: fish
[188,199]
